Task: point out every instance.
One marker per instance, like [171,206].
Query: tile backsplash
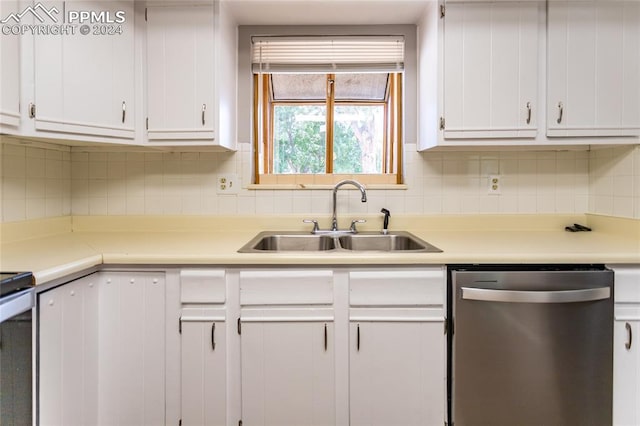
[53,181]
[36,182]
[614,181]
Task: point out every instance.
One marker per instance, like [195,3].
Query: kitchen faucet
[334,220]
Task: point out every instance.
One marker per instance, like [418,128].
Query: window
[320,127]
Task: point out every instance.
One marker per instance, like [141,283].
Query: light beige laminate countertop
[54,248]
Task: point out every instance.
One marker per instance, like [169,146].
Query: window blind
[333,54]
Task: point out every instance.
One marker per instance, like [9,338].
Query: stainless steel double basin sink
[392,242]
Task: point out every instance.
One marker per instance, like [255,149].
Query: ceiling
[325,12]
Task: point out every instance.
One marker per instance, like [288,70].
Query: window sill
[311,186]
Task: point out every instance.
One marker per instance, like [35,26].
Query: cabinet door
[593,85]
[288,373]
[180,73]
[132,350]
[203,378]
[490,70]
[68,353]
[626,371]
[9,70]
[397,373]
[84,84]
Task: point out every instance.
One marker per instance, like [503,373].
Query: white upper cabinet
[84,83]
[9,73]
[479,73]
[190,75]
[494,73]
[490,70]
[593,82]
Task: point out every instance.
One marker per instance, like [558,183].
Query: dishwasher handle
[516,296]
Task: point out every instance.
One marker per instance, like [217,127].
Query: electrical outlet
[227,184]
[495,184]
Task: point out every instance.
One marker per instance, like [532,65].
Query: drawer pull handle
[358,338]
[528,112]
[204,107]
[124,110]
[627,345]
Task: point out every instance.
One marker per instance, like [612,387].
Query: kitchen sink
[270,242]
[395,241]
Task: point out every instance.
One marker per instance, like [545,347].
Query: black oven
[17,300]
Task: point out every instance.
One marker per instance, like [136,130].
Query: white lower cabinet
[297,346]
[396,373]
[102,350]
[287,347]
[203,347]
[69,353]
[397,348]
[359,347]
[626,346]
[203,369]
[287,373]
[626,370]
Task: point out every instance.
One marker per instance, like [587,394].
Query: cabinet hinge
[32,110]
[442,11]
[145,14]
[441,123]
[239,328]
[180,325]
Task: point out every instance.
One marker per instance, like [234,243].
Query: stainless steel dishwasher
[530,345]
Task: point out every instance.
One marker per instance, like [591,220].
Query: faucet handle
[316,228]
[353,224]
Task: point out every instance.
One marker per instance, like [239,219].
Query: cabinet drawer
[396,288]
[202,286]
[627,284]
[293,287]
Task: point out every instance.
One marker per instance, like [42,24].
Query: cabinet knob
[132,280]
[51,302]
[155,281]
[72,293]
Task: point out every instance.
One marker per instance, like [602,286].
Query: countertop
[54,248]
